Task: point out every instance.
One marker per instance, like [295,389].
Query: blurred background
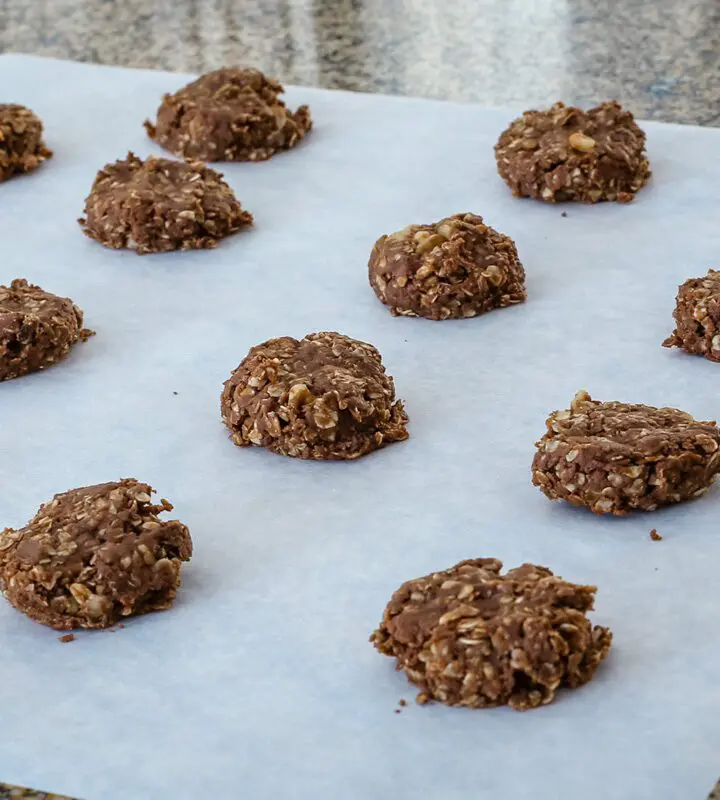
[661,58]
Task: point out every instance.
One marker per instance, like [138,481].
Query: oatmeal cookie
[159,205]
[37,329]
[326,396]
[458,267]
[21,145]
[565,153]
[231,114]
[94,555]
[615,458]
[697,317]
[471,636]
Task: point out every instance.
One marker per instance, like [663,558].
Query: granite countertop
[660,59]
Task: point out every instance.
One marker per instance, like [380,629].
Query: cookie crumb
[655,536]
[69,637]
[564,214]
[398,711]
[175,393]
[403,702]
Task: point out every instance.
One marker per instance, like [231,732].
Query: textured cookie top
[565,153]
[473,636]
[90,554]
[37,328]
[626,430]
[324,396]
[160,204]
[457,267]
[21,146]
[231,114]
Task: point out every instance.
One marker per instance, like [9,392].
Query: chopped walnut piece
[458,267]
[37,329]
[617,457]
[231,114]
[326,396]
[159,205]
[471,636]
[82,561]
[697,317]
[21,145]
[566,154]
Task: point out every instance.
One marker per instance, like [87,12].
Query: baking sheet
[260,683]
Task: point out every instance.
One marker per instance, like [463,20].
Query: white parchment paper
[260,683]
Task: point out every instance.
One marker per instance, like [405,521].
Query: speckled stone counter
[660,59]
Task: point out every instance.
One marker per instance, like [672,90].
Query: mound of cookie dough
[37,328]
[697,317]
[615,458]
[94,555]
[231,114]
[326,396]
[458,267]
[565,153]
[21,145]
[471,636]
[159,205]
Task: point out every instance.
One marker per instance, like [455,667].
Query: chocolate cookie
[470,636]
[458,267]
[21,146]
[231,114]
[37,328]
[324,397]
[616,457]
[697,317]
[565,153]
[159,205]
[94,555]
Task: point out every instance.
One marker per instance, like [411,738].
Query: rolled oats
[471,636]
[617,457]
[324,397]
[89,558]
[458,267]
[159,205]
[566,154]
[231,114]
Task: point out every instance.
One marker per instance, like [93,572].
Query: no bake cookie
[21,141]
[231,114]
[457,267]
[615,457]
[697,317]
[37,328]
[93,556]
[326,396]
[159,205]
[567,154]
[473,636]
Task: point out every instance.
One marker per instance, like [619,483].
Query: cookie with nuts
[326,396]
[231,114]
[37,328]
[697,317]
[21,141]
[616,458]
[473,636]
[567,154]
[159,205]
[94,555]
[455,268]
